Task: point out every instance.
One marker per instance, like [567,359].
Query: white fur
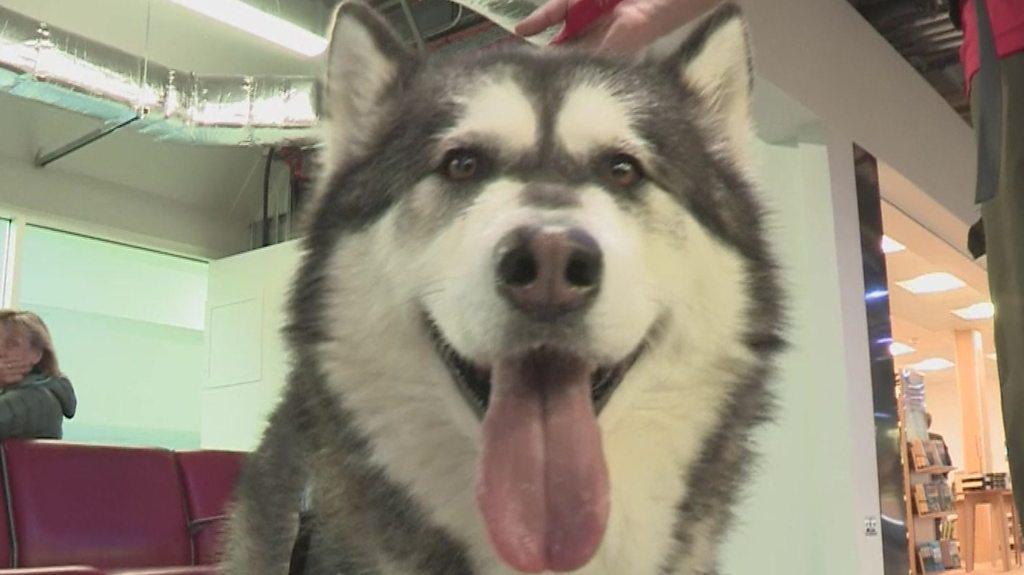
[427,438]
[592,117]
[721,74]
[500,112]
[356,83]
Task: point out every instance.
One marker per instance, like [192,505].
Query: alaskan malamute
[535,318]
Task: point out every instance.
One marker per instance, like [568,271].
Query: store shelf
[934,470]
[935,515]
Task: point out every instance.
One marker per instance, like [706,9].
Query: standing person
[35,397]
[993,59]
[624,26]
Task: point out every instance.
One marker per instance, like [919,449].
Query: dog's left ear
[366,68]
[715,61]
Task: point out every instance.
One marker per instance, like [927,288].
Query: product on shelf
[930,557]
[983,481]
[950,553]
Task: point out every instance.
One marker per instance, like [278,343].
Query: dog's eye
[461,165]
[624,170]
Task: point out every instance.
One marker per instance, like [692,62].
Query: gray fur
[364,521]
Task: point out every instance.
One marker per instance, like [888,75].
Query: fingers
[594,37]
[621,39]
[542,18]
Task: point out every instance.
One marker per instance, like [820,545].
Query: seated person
[35,397]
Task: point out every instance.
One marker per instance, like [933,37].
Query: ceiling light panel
[891,246]
[897,349]
[933,364]
[932,283]
[259,23]
[977,311]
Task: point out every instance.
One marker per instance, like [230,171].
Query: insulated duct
[59,68]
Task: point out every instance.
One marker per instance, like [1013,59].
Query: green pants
[1004,240]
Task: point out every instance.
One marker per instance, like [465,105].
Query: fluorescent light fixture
[933,364]
[259,23]
[977,311]
[897,349]
[891,246]
[932,283]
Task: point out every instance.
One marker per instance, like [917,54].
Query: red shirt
[1007,17]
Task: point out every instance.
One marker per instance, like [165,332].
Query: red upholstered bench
[72,509]
[209,478]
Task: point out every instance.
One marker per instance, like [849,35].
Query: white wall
[817,480]
[246,358]
[827,57]
[111,211]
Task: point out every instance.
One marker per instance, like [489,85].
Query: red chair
[106,507]
[70,509]
[209,478]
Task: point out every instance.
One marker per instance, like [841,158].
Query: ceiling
[223,181]
[920,30]
[175,36]
[214,179]
[926,322]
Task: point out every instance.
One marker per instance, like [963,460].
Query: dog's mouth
[474,381]
[542,486]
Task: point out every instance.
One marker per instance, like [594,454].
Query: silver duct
[75,73]
[59,68]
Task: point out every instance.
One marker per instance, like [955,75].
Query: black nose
[548,272]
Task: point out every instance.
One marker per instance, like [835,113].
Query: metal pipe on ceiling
[57,67]
[69,71]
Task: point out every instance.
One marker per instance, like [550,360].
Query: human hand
[629,26]
[13,370]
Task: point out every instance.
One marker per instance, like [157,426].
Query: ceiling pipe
[56,67]
[69,71]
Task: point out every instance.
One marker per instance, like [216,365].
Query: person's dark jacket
[35,407]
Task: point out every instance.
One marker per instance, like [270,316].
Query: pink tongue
[543,487]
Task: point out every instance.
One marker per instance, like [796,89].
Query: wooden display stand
[928,499]
[1005,533]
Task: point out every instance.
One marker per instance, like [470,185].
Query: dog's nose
[548,272]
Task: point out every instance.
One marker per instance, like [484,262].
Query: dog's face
[511,237]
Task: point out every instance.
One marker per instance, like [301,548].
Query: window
[128,327]
[5,245]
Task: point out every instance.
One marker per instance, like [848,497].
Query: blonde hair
[39,337]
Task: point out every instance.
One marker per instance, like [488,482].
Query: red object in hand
[581,15]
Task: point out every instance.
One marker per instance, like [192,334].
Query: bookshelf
[929,500]
[936,515]
[936,470]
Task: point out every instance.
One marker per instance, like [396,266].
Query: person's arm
[30,411]
[630,26]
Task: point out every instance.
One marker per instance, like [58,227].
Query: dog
[535,321]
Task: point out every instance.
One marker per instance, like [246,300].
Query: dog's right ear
[366,67]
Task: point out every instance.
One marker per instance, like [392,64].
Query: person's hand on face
[13,369]
[17,357]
